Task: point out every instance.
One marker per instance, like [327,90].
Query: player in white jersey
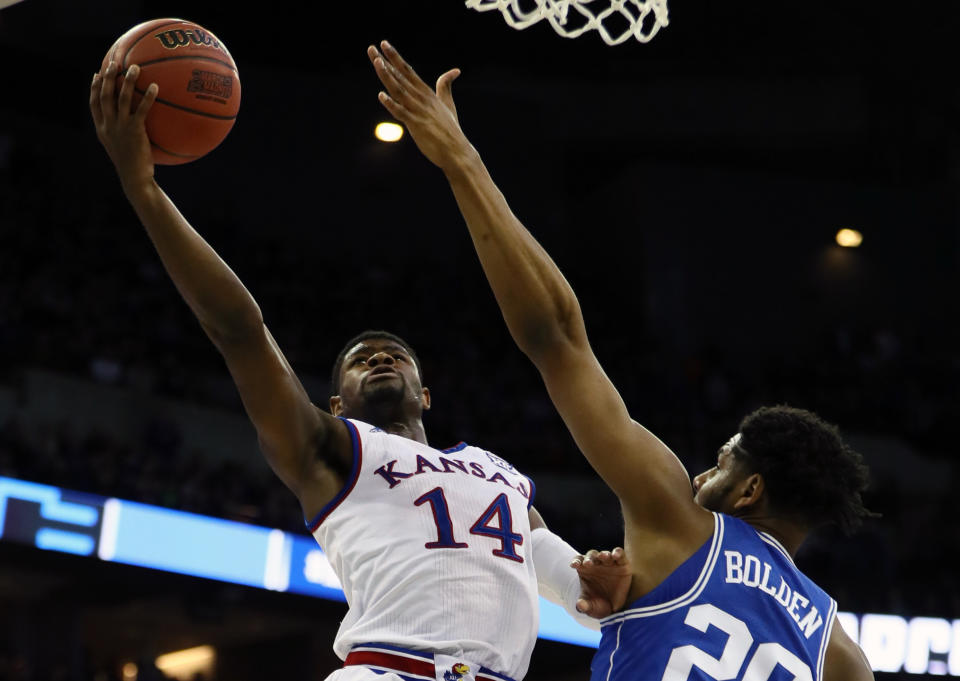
[435,549]
[705,603]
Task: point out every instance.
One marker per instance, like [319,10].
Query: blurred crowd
[106,312]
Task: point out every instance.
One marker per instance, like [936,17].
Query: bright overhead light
[388,132]
[129,672]
[185,664]
[849,238]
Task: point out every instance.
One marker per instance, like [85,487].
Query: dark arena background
[691,189]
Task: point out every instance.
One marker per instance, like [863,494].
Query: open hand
[430,115]
[605,578]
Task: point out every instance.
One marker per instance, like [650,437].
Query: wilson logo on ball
[209,83]
[175,38]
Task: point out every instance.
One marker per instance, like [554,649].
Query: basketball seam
[143,93]
[173,153]
[191,57]
[141,37]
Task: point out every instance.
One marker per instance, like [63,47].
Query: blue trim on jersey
[533,492]
[348,484]
[396,673]
[830,619]
[712,552]
[456,448]
[489,672]
[777,545]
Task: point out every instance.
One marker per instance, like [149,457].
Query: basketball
[199,94]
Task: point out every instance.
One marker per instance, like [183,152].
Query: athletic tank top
[738,609]
[433,550]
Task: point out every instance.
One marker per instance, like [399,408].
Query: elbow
[543,337]
[235,327]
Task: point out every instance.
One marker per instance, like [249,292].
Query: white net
[615,20]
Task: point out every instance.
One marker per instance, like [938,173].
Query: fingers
[445,88]
[149,97]
[95,109]
[396,109]
[404,69]
[108,106]
[594,557]
[126,90]
[593,607]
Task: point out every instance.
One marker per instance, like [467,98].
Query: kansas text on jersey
[433,551]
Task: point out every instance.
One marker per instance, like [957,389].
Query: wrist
[139,189]
[462,163]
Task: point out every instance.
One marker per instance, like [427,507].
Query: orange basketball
[199,93]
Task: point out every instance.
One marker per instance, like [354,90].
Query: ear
[425,401]
[751,491]
[336,405]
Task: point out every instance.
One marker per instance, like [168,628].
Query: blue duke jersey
[738,609]
[433,551]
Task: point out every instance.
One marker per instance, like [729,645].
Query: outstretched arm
[544,317]
[295,436]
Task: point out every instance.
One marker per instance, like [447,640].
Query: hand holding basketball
[198,81]
[120,130]
[430,116]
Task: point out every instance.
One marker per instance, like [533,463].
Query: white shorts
[360,673]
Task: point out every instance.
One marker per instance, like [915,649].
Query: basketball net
[615,20]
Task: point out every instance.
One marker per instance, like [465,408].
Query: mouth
[381,373]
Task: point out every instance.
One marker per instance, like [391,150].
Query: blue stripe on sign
[51,505]
[69,542]
[191,544]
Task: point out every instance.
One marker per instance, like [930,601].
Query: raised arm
[544,317]
[304,445]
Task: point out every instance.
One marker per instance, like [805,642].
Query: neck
[789,534]
[397,421]
[413,431]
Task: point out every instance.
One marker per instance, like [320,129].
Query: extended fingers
[399,63]
[390,78]
[396,109]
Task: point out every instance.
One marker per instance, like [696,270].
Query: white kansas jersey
[433,550]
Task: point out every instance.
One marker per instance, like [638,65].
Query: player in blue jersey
[715,593]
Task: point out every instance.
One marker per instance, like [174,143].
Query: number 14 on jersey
[501,530]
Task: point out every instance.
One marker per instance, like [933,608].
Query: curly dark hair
[369,334]
[810,473]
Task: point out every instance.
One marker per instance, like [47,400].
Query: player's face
[714,489]
[378,372]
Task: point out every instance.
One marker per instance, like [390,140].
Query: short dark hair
[369,334]
[811,475]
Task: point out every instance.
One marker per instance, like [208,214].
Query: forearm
[537,303]
[213,292]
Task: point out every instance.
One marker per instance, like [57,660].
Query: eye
[358,360]
[400,356]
